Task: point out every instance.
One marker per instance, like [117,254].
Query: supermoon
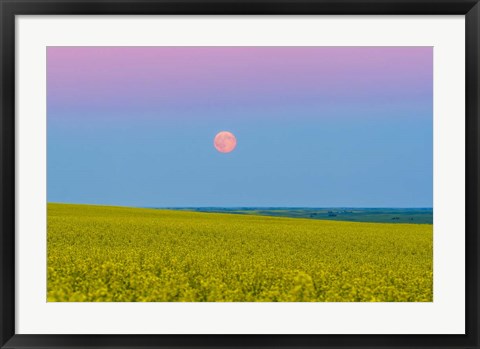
[225,142]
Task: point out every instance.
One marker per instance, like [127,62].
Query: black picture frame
[10,8]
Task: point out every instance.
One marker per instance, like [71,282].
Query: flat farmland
[121,254]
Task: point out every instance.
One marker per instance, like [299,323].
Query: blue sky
[360,135]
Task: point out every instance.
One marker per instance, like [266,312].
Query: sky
[315,126]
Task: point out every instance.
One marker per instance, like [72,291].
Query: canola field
[118,254]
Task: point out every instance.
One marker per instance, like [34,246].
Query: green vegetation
[99,253]
[374,215]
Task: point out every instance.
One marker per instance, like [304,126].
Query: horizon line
[246,206]
[311,207]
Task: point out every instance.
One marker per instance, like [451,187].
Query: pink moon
[225,142]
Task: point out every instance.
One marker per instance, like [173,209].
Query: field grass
[100,253]
[373,215]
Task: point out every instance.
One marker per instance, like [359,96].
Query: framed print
[233,174]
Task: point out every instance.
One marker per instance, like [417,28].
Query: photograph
[239,173]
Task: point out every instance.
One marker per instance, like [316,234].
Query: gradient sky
[316,126]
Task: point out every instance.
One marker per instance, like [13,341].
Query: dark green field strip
[372,215]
